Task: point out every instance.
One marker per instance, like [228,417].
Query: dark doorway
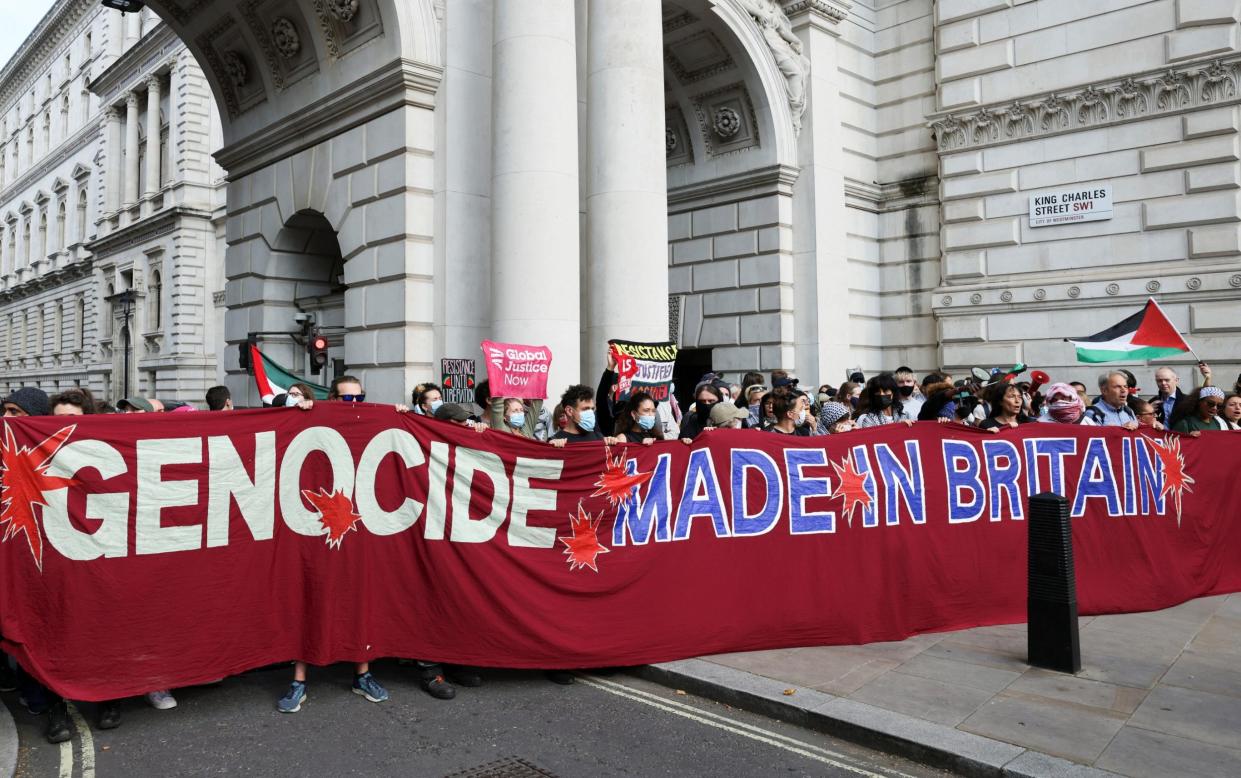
[692,364]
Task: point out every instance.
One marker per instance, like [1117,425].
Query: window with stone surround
[42,254]
[81,237]
[58,329]
[86,46]
[154,302]
[64,115]
[105,306]
[26,242]
[60,225]
[79,323]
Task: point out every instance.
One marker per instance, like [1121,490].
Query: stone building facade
[838,184]
[112,210]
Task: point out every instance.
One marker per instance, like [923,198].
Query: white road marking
[731,725]
[66,759]
[88,742]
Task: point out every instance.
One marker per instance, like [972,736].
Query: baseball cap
[451,412]
[722,413]
[139,403]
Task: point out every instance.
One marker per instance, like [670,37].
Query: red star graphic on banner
[335,513]
[583,546]
[1175,479]
[852,487]
[614,483]
[23,473]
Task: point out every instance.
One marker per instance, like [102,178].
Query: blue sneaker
[366,685]
[292,702]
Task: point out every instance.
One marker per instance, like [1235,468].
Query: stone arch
[732,161]
[268,60]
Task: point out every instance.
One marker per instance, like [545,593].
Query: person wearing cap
[458,414]
[26,401]
[135,405]
[725,415]
[1200,411]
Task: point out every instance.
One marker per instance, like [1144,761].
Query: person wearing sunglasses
[1200,411]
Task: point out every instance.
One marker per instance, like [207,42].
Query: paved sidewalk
[1159,694]
[8,743]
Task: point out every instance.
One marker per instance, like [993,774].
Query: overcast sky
[20,18]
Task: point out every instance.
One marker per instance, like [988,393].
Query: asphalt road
[614,725]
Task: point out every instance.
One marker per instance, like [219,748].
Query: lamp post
[126,299]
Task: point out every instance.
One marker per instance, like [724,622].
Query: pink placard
[517,370]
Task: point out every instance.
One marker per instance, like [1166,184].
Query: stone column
[626,184]
[133,29]
[535,274]
[131,150]
[153,127]
[112,175]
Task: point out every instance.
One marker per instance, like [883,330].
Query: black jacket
[1157,403]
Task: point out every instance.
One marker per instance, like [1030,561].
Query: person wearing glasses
[1200,411]
[348,389]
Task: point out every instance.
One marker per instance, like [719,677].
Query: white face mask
[291,400]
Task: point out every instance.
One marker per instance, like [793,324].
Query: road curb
[8,742]
[868,725]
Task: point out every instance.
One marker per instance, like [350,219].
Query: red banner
[145,551]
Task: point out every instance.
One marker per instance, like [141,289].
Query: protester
[1146,415]
[458,414]
[1112,409]
[639,420]
[834,418]
[345,388]
[908,391]
[941,404]
[699,419]
[508,414]
[748,382]
[1082,392]
[880,404]
[726,415]
[1007,409]
[73,402]
[431,398]
[578,404]
[789,413]
[136,405]
[849,394]
[1199,411]
[219,399]
[1169,393]
[753,401]
[1231,413]
[1064,405]
[26,401]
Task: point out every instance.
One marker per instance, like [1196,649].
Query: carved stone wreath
[1194,283]
[975,298]
[343,10]
[726,122]
[1074,291]
[236,68]
[670,141]
[1153,286]
[1006,296]
[1235,280]
[1039,294]
[284,35]
[1113,289]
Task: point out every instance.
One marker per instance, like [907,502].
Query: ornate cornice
[1174,90]
[836,11]
[31,56]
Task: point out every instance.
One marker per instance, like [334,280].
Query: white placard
[1089,203]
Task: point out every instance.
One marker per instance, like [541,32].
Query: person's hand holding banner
[515,370]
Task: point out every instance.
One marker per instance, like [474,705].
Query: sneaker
[438,688]
[110,714]
[366,685]
[468,677]
[58,729]
[162,700]
[562,677]
[292,702]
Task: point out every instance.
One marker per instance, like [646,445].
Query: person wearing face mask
[753,402]
[790,415]
[508,414]
[694,423]
[639,420]
[429,401]
[881,405]
[849,394]
[908,392]
[578,402]
[1064,406]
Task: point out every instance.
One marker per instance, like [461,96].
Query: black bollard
[1051,600]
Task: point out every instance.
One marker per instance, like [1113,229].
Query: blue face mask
[517,419]
[646,422]
[435,406]
[587,422]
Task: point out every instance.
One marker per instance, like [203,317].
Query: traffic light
[317,348]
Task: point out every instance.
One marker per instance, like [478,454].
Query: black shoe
[58,729]
[562,677]
[110,714]
[8,679]
[438,688]
[465,676]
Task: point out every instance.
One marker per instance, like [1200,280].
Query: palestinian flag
[273,379]
[1146,334]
